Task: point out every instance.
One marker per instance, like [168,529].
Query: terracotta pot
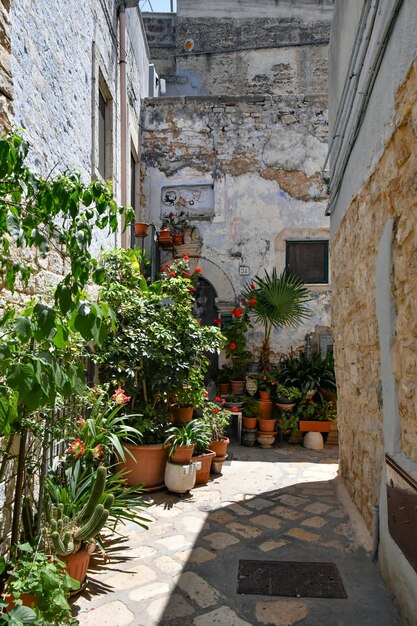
[249,422]
[284,406]
[141,229]
[182,455]
[205,459]
[264,395]
[266,425]
[147,467]
[77,564]
[28,599]
[238,387]
[224,389]
[220,447]
[311,426]
[265,407]
[177,240]
[164,238]
[266,440]
[182,414]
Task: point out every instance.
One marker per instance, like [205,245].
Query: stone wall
[6,97]
[263,156]
[388,193]
[243,49]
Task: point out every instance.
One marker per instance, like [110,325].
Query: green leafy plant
[195,432]
[224,374]
[308,373]
[251,408]
[217,420]
[43,576]
[322,410]
[235,346]
[290,394]
[276,302]
[191,393]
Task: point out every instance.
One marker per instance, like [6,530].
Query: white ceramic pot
[313,441]
[181,478]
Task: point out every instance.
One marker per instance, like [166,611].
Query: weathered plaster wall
[264,156]
[242,48]
[5,68]
[375,333]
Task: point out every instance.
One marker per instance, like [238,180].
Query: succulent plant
[68,534]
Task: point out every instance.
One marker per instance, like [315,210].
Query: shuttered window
[309,260]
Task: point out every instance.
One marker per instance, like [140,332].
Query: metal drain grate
[290,578]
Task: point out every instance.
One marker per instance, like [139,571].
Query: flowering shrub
[235,333]
[216,418]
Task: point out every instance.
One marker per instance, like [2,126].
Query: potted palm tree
[275,302]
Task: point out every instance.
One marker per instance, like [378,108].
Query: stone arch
[219,280]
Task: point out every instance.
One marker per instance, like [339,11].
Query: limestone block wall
[5,68]
[263,157]
[388,193]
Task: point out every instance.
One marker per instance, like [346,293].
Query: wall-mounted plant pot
[164,239]
[266,425]
[141,229]
[238,387]
[182,414]
[177,240]
[311,426]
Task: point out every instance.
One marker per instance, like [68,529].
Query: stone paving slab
[183,570]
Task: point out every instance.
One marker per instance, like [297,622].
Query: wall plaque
[195,201]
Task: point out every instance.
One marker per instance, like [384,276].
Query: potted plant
[233,399]
[275,302]
[164,237]
[155,343]
[181,440]
[188,398]
[37,588]
[235,348]
[309,373]
[217,420]
[250,412]
[223,379]
[203,454]
[286,397]
[266,383]
[316,416]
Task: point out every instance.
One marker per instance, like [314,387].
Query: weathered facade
[259,153]
[5,67]
[373,220]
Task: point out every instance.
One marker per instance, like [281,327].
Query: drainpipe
[124,121]
[375,534]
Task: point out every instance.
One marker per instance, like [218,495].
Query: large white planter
[181,478]
[313,441]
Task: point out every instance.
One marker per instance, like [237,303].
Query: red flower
[192,289]
[215,410]
[98,451]
[223,400]
[77,448]
[243,303]
[172,274]
[252,301]
[218,321]
[120,397]
[218,399]
[198,270]
[232,346]
[235,409]
[187,275]
[237,312]
[185,257]
[205,393]
[171,215]
[252,286]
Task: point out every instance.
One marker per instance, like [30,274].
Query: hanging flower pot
[178,240]
[165,239]
[141,229]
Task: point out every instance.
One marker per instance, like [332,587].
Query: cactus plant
[68,534]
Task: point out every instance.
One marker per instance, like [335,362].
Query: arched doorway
[206,311]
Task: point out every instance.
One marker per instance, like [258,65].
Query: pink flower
[77,448]
[80,422]
[120,397]
[97,451]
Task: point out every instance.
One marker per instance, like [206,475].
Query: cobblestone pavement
[277,504]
